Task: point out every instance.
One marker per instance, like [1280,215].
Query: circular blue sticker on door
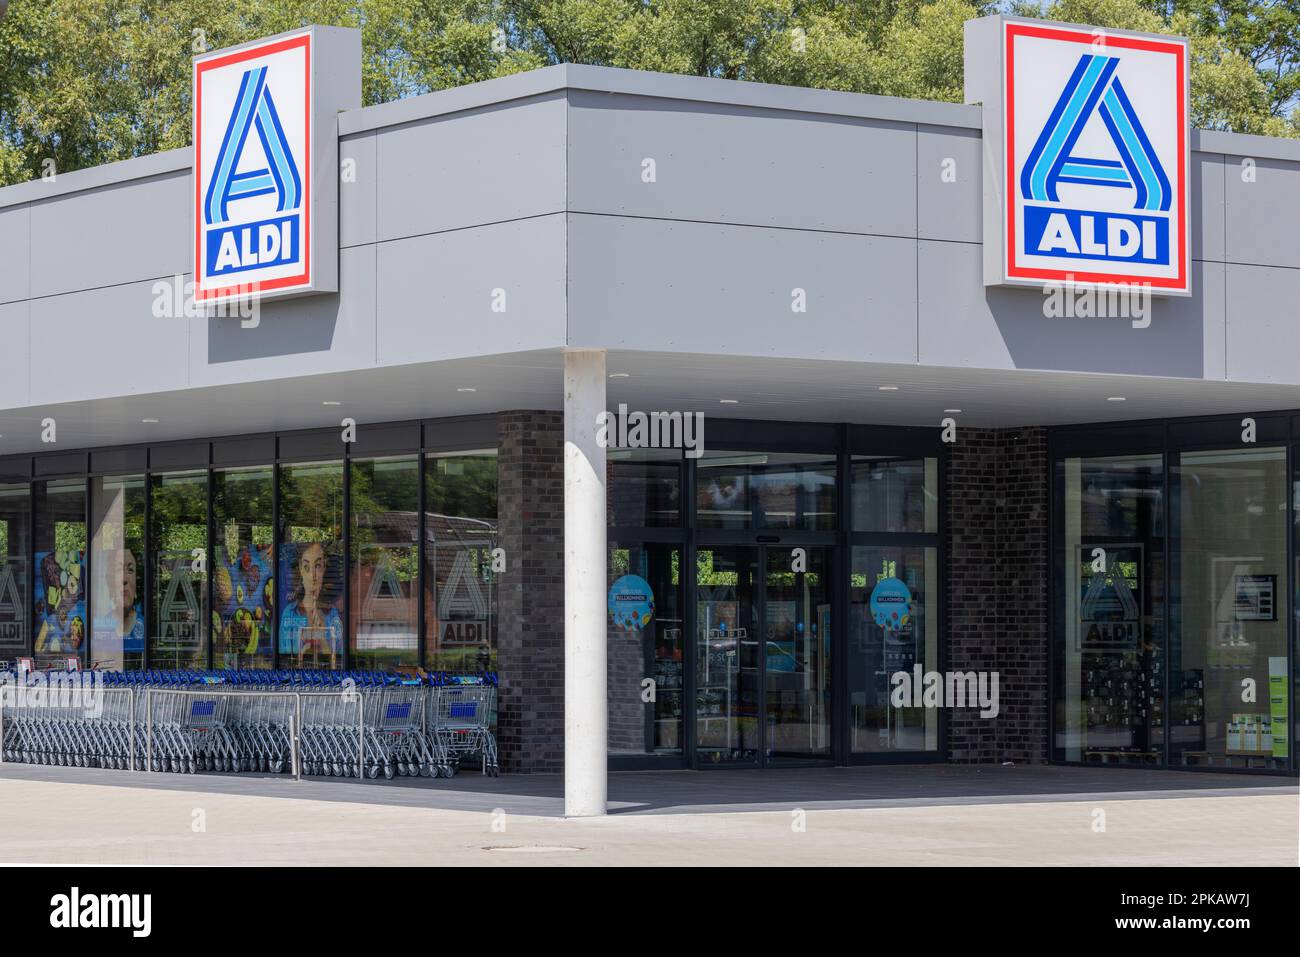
[891,604]
[631,603]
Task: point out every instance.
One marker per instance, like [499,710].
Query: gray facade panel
[729,164]
[1262,209]
[489,165]
[88,345]
[107,237]
[1207,207]
[1262,305]
[436,294]
[963,323]
[358,187]
[701,287]
[15,253]
[312,334]
[948,177]
[15,357]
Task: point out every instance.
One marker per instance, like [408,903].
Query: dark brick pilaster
[530,637]
[998,568]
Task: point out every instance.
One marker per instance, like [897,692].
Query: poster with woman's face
[243,595]
[60,606]
[311,587]
[119,618]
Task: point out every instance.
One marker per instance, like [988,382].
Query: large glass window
[645,649]
[1228,622]
[15,551]
[117,567]
[895,495]
[59,588]
[311,565]
[385,501]
[765,490]
[644,487]
[1109,654]
[179,539]
[893,629]
[243,567]
[460,535]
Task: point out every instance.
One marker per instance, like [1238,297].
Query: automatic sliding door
[797,654]
[728,675]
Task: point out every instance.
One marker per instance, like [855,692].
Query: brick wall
[997,589]
[530,638]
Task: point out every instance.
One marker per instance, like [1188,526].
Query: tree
[85,82]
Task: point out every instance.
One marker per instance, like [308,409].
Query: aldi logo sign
[1092,130]
[264,123]
[252,150]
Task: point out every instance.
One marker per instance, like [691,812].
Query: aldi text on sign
[253,170]
[1097,157]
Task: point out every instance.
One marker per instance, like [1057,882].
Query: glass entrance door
[763,647]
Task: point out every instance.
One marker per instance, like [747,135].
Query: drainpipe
[585,703]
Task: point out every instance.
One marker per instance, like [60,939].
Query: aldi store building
[926,440]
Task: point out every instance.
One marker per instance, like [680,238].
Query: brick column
[998,567]
[530,629]
[1023,483]
[973,567]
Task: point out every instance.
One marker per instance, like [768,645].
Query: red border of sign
[283,282]
[1179,50]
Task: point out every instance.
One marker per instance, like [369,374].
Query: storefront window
[311,566]
[243,567]
[765,490]
[1229,627]
[460,537]
[15,549]
[895,495]
[645,642]
[385,562]
[117,568]
[1109,654]
[59,596]
[893,629]
[644,487]
[179,540]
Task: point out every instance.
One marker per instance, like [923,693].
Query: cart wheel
[426,770]
[372,772]
[388,771]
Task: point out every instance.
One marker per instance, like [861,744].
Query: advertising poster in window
[1110,606]
[13,610]
[60,602]
[119,613]
[179,635]
[243,595]
[311,587]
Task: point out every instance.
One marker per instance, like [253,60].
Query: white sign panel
[265,163]
[1090,138]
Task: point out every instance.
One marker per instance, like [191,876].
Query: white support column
[585,704]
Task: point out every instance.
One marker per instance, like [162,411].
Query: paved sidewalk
[915,816]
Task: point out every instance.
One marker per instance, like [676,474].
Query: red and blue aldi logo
[1097,157]
[252,169]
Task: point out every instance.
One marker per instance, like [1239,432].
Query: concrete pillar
[585,699]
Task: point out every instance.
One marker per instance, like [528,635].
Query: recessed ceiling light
[730,401]
[466,388]
[952,410]
[149,421]
[331,402]
[887,388]
[618,375]
[1116,398]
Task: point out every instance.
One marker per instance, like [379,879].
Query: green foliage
[85,82]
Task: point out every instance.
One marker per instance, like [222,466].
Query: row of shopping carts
[190,722]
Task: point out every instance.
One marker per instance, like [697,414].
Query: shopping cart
[460,723]
[395,732]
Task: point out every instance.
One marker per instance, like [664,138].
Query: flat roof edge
[96,177]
